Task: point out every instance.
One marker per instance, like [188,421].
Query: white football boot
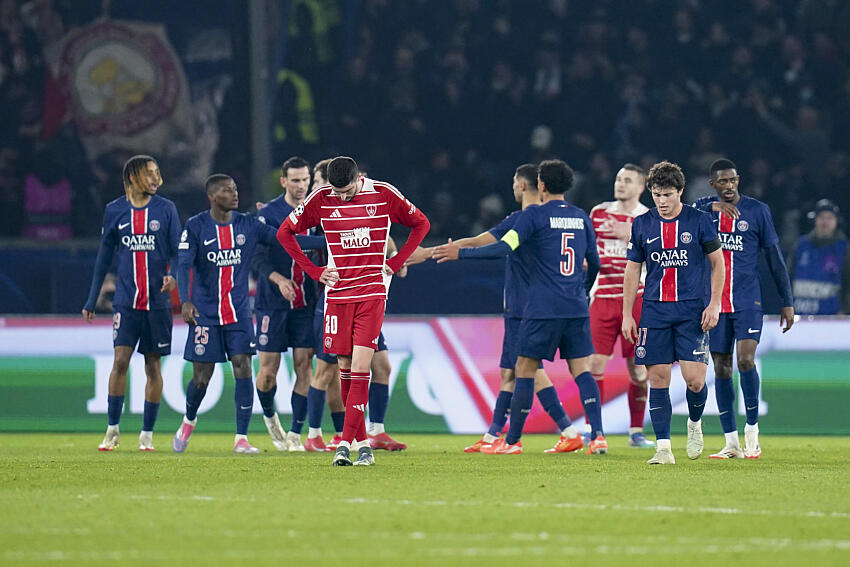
[752,449]
[276,432]
[695,442]
[110,440]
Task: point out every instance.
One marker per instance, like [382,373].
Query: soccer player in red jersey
[356,214]
[612,221]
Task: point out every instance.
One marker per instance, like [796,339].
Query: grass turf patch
[62,501]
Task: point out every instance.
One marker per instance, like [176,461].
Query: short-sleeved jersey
[516,272]
[553,240]
[356,232]
[268,294]
[145,240]
[741,241]
[612,250]
[676,267]
[220,257]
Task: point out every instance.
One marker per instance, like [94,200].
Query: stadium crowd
[444,102]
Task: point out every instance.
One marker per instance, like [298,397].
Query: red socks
[344,383]
[355,399]
[637,403]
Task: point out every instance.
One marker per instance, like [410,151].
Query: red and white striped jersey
[612,250]
[356,233]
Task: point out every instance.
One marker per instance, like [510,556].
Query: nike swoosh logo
[162,345]
[698,405]
[752,408]
[651,240]
[753,330]
[252,345]
[123,226]
[208,242]
[698,352]
[724,412]
[715,220]
[244,407]
[653,409]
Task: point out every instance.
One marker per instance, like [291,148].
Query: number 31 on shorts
[331,324]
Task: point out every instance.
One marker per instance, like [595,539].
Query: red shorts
[350,324]
[606,324]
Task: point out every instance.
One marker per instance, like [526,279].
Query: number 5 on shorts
[331,324]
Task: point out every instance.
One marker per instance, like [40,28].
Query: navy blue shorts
[150,329]
[319,337]
[670,331]
[280,329]
[218,343]
[510,344]
[540,338]
[733,327]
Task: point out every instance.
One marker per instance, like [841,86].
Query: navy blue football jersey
[145,243]
[741,240]
[676,267]
[516,272]
[552,240]
[268,294]
[220,258]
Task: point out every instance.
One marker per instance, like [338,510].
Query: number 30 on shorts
[331,324]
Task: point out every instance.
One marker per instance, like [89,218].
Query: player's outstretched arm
[631,279]
[711,314]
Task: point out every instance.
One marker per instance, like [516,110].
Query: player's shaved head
[556,175]
[666,174]
[342,171]
[528,172]
[211,184]
[135,166]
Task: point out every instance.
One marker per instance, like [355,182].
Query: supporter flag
[123,87]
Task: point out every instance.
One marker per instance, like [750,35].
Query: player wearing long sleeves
[141,229]
[517,282]
[355,213]
[552,240]
[674,242]
[217,247]
[745,228]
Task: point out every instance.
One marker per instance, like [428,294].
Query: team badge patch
[686,238]
[371,210]
[262,219]
[184,236]
[329,342]
[640,352]
[153,225]
[114,335]
[264,340]
[743,225]
[200,350]
[240,239]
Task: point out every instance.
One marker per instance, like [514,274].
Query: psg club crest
[328,342]
[264,340]
[686,237]
[743,225]
[200,350]
[153,225]
[240,239]
[371,210]
[262,219]
[114,335]
[640,352]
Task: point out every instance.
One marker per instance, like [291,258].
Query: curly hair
[666,174]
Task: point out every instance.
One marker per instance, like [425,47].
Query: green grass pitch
[64,503]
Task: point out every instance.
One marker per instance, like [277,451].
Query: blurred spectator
[820,265]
